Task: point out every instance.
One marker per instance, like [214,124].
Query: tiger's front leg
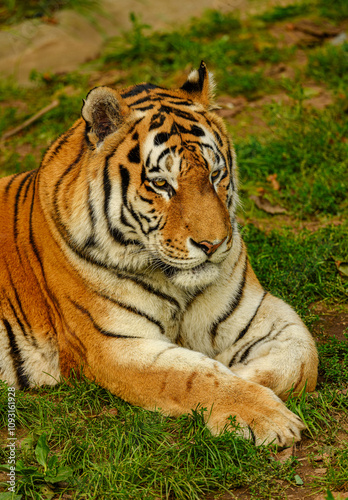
[156,374]
[276,351]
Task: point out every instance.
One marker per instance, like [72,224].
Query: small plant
[47,472]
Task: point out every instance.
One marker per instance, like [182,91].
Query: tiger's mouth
[189,278]
[171,271]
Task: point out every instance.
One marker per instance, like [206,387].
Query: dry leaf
[322,470]
[266,206]
[343,269]
[284,455]
[272,178]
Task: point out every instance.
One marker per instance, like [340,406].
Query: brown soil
[286,221]
[332,322]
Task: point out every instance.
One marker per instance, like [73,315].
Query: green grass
[308,154]
[330,65]
[129,452]
[109,449]
[14,11]
[299,268]
[334,360]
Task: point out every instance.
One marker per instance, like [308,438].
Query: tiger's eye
[215,174]
[159,182]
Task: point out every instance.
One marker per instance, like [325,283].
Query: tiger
[121,259]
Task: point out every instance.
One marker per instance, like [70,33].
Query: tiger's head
[166,169]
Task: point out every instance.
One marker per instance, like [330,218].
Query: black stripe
[31,229]
[27,187]
[125,178]
[145,108]
[19,306]
[157,121]
[181,103]
[164,153]
[178,112]
[124,220]
[134,154]
[97,327]
[150,189]
[234,303]
[253,344]
[142,100]
[160,138]
[114,232]
[171,96]
[16,203]
[244,331]
[63,230]
[17,318]
[16,357]
[146,200]
[218,137]
[230,164]
[133,310]
[59,143]
[90,241]
[11,179]
[36,251]
[194,130]
[250,345]
[138,89]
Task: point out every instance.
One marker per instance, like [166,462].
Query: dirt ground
[62,42]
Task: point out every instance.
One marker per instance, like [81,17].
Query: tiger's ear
[200,85]
[103,111]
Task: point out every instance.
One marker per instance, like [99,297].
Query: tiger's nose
[208,247]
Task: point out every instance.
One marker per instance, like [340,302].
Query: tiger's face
[169,180]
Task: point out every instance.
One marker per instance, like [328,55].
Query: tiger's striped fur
[121,256]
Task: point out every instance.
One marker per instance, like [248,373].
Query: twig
[31,120]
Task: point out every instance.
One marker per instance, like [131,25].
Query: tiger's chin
[192,279]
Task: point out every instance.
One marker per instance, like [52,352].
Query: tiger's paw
[264,421]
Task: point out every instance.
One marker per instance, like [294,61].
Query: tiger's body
[121,257]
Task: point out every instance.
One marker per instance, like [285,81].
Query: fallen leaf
[342,269]
[265,205]
[341,264]
[322,470]
[284,455]
[272,178]
[298,480]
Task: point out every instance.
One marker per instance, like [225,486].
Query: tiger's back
[121,256]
